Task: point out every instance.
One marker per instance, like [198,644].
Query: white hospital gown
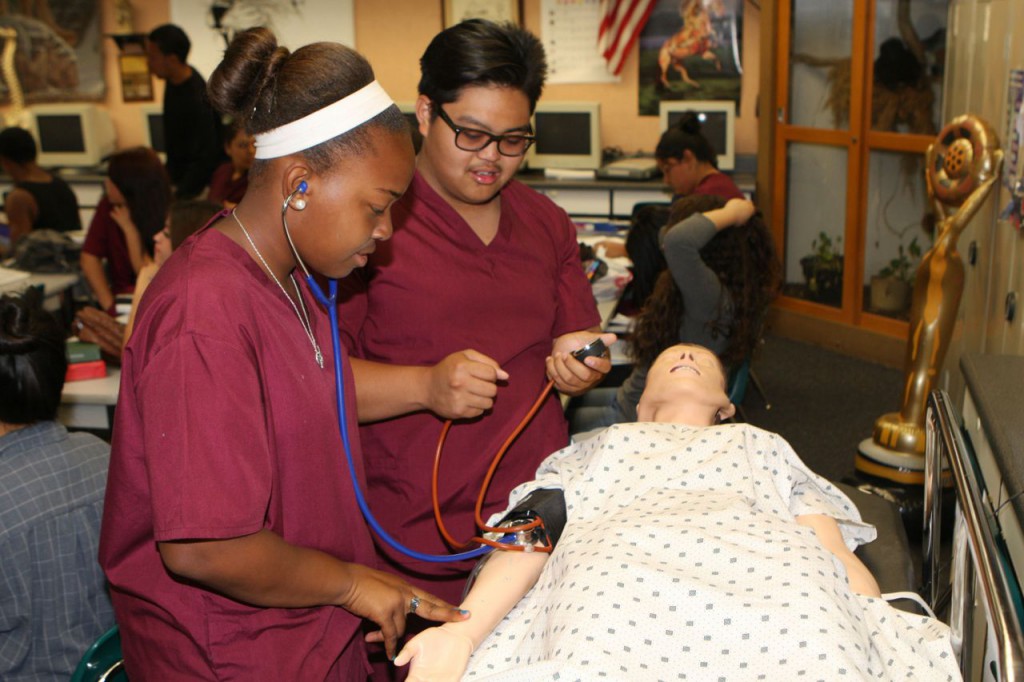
[682,560]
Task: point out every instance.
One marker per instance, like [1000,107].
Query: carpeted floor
[822,402]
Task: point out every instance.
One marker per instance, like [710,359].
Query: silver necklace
[303,316]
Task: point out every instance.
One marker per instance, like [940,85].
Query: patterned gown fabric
[682,559]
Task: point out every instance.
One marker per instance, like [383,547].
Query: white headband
[324,124]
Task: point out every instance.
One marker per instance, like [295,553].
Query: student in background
[231,536]
[690,164]
[643,248]
[53,597]
[192,129]
[230,180]
[485,276]
[722,273]
[95,326]
[39,198]
[128,217]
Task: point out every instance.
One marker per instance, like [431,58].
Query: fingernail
[464,612]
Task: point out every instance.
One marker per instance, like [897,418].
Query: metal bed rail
[944,440]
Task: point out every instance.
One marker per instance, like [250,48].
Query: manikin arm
[827,530]
[441,653]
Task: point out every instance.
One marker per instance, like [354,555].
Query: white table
[54,286]
[89,404]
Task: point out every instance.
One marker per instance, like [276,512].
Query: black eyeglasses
[473,140]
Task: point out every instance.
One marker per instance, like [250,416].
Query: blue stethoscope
[330,302]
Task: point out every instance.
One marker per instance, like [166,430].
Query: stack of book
[84,361]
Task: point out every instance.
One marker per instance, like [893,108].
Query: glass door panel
[821,35]
[907,67]
[815,222]
[894,238]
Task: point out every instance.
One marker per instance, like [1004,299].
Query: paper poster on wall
[58,50]
[210,24]
[690,49]
[1013,162]
[569,32]
[499,11]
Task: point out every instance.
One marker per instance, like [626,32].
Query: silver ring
[414,604]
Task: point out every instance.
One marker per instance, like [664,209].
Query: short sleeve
[206,443]
[96,242]
[576,307]
[812,494]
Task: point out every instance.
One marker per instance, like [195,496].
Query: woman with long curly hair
[722,273]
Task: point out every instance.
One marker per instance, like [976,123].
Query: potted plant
[823,270]
[890,288]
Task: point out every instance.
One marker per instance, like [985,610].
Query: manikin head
[686,385]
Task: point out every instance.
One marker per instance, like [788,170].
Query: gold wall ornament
[962,167]
[16,115]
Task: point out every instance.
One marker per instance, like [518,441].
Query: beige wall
[394,48]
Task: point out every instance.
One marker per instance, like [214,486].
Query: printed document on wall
[569,33]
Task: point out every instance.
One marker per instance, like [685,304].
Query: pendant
[319,358]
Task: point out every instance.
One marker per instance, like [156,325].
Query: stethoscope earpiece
[300,203]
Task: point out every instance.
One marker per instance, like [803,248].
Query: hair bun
[689,123]
[15,320]
[250,63]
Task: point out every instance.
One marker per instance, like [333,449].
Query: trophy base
[891,465]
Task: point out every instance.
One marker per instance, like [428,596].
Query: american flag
[621,22]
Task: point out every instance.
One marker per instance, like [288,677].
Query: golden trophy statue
[962,167]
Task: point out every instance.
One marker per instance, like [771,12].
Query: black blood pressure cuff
[548,504]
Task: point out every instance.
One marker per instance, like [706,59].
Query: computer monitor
[718,124]
[153,127]
[568,136]
[76,135]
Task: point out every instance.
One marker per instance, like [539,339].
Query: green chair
[103,661]
[739,378]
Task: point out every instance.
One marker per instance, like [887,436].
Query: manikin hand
[464,384]
[571,376]
[436,655]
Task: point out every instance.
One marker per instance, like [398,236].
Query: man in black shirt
[192,130]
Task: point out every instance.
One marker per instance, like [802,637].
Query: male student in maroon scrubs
[476,302]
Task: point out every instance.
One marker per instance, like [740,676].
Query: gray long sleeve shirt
[702,293]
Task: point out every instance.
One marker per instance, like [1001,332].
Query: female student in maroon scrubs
[690,164]
[231,539]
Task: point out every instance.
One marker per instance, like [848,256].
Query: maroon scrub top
[105,240]
[225,425]
[435,289]
[719,184]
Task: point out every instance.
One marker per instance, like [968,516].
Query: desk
[55,287]
[90,404]
[603,198]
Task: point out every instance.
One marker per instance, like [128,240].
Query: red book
[96,369]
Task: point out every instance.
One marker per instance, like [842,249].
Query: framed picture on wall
[455,11]
[136,83]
